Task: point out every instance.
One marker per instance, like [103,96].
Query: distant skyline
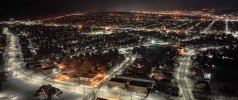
[34,8]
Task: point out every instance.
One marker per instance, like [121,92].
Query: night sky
[33,8]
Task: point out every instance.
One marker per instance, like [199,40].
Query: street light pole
[119,93]
[131,95]
[74,85]
[84,91]
[53,82]
[31,77]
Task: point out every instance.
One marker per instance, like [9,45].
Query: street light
[207,75]
[153,41]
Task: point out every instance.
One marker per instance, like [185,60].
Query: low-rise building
[139,86]
[117,82]
[36,68]
[48,70]
[87,78]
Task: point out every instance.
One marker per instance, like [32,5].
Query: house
[48,90]
[202,86]
[181,51]
[199,75]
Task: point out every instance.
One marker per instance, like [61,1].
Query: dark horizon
[42,8]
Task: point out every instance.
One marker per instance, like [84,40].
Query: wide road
[183,75]
[185,63]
